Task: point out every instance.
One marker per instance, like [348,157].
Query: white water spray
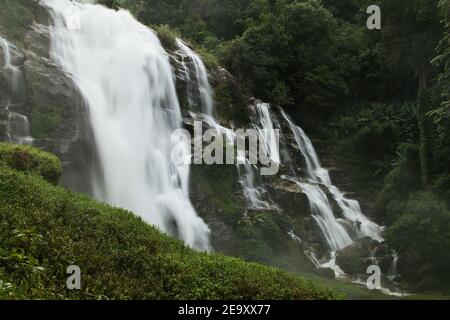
[267,133]
[18,128]
[319,183]
[11,71]
[4,44]
[334,232]
[125,76]
[196,77]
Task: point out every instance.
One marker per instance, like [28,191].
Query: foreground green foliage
[44,229]
[31,161]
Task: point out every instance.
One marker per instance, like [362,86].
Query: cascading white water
[334,232]
[267,133]
[201,82]
[125,76]
[196,77]
[392,272]
[4,44]
[269,140]
[252,192]
[18,129]
[12,72]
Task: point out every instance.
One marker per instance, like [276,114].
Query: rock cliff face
[34,89]
[40,104]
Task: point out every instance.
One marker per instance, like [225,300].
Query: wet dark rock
[289,196]
[49,99]
[356,258]
[326,273]
[37,40]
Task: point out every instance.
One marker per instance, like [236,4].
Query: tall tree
[411,32]
[443,60]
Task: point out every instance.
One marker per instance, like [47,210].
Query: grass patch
[167,36]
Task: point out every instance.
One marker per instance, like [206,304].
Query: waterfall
[267,133]
[200,93]
[393,273]
[4,44]
[318,183]
[269,141]
[252,192]
[12,72]
[18,128]
[334,233]
[318,187]
[126,79]
[196,80]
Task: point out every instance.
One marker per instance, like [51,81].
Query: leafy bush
[16,16]
[31,160]
[421,236]
[167,36]
[403,179]
[442,187]
[44,229]
[44,122]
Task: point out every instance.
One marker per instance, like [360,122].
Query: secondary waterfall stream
[125,77]
[12,72]
[196,80]
[338,233]
[18,129]
[200,97]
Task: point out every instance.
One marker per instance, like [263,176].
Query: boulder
[364,252]
[37,40]
[289,196]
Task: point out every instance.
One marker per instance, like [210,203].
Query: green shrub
[47,229]
[421,236]
[209,59]
[44,122]
[442,187]
[15,17]
[31,160]
[167,36]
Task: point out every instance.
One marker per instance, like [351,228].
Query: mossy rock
[167,36]
[31,160]
[15,18]
[45,122]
